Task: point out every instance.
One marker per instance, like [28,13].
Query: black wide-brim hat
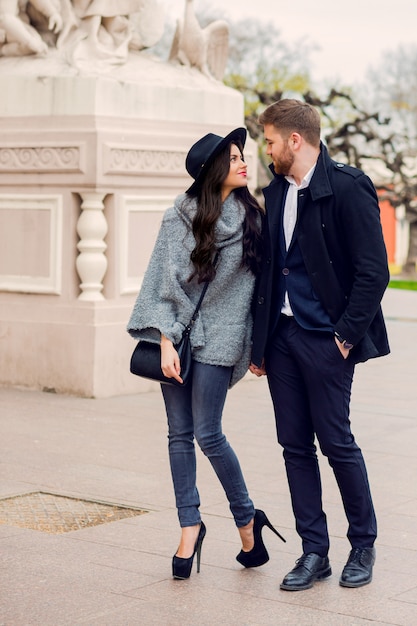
[205,150]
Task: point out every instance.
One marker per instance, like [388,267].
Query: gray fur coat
[166,301]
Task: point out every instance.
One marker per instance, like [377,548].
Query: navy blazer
[340,236]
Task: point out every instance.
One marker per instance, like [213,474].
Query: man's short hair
[291,115]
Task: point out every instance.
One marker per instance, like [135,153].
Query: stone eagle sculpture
[204,48]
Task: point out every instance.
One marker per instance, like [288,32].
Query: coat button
[285,271]
[261,300]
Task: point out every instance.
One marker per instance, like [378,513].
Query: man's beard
[284,164]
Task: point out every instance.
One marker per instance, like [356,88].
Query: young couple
[293,292]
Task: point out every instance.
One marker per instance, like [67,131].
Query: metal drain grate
[52,513]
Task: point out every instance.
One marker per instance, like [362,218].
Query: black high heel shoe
[181,568]
[259,554]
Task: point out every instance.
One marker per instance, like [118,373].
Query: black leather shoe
[309,568]
[358,569]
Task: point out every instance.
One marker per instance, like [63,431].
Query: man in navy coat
[317,314]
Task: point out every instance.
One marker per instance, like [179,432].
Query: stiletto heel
[274,530]
[259,554]
[181,568]
[199,553]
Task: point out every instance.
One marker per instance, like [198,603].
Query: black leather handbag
[146,357]
[146,360]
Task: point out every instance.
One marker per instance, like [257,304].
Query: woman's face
[237,176]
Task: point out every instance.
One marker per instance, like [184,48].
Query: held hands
[258,371]
[170,362]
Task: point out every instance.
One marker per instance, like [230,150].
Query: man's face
[279,150]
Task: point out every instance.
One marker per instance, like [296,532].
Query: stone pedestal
[88,165]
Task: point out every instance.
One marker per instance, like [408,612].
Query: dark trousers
[310,384]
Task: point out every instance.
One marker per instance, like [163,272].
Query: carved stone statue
[93,35]
[108,28]
[86,29]
[204,48]
[17,36]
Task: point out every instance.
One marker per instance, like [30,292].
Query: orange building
[389,229]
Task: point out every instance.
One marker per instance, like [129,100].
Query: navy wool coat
[340,236]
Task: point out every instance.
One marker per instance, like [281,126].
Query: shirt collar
[306,180]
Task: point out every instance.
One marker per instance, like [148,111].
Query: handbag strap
[200,300]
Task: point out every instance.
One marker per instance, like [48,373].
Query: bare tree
[392,88]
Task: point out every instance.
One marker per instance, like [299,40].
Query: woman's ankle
[246,536]
[189,536]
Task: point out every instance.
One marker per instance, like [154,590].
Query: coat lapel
[274,200]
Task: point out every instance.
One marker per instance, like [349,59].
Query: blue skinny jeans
[196,411]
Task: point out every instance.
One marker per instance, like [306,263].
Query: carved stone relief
[91,34]
[84,30]
[132,161]
[42,159]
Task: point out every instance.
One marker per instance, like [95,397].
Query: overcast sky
[351,35]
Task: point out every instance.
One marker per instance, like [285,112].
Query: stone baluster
[91,263]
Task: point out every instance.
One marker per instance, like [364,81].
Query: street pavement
[114,451]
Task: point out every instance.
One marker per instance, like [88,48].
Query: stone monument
[94,133]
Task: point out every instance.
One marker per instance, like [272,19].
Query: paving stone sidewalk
[113,451]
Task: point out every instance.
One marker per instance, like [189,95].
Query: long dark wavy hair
[209,207]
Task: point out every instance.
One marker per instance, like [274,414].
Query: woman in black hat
[211,234]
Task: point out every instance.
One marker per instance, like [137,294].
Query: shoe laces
[361,556]
[305,559]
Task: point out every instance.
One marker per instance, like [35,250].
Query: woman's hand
[170,362]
